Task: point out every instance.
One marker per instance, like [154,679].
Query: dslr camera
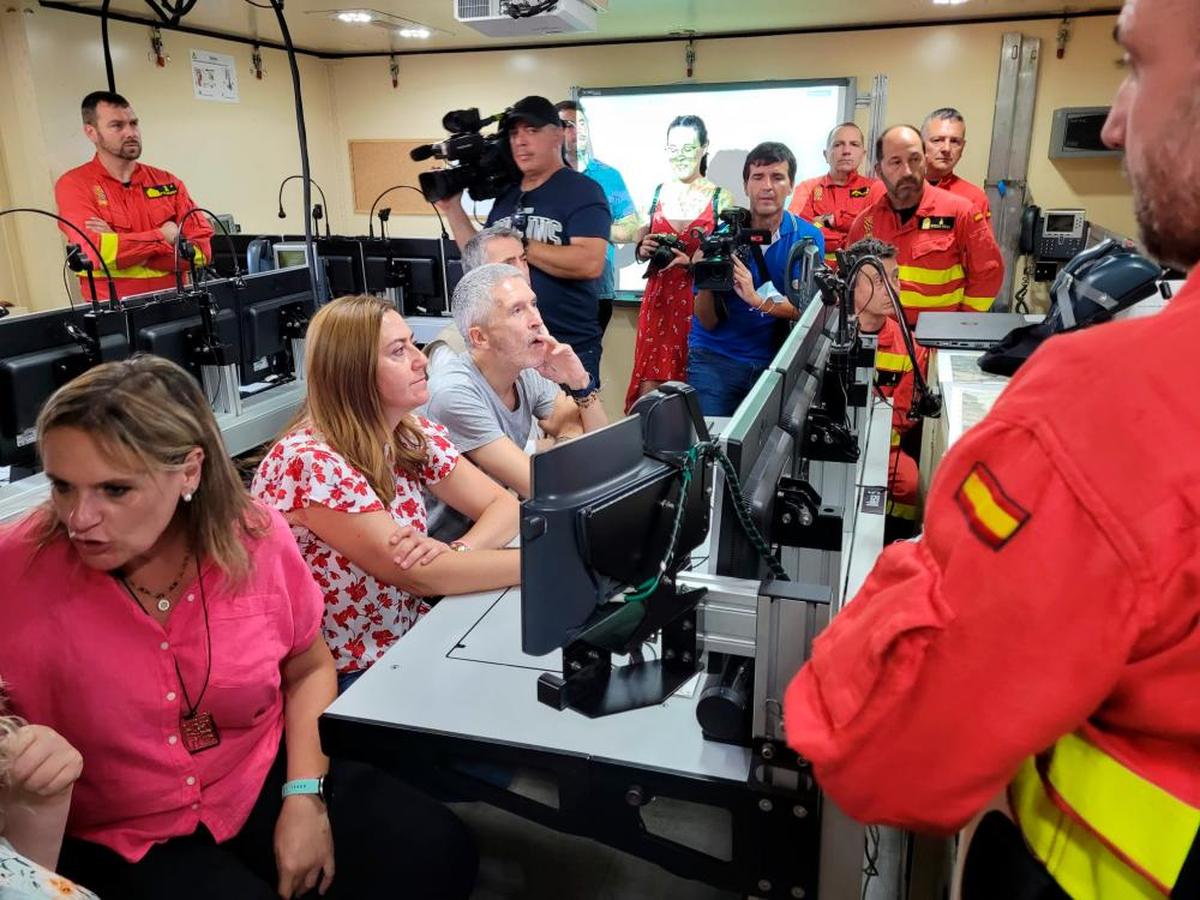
[481,164]
[733,238]
[664,252]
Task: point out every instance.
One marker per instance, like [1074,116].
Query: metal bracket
[828,440]
[800,520]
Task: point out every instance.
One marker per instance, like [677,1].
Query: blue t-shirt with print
[746,334]
[567,205]
[620,203]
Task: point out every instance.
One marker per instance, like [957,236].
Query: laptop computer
[965,331]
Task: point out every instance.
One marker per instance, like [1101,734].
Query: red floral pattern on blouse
[363,616]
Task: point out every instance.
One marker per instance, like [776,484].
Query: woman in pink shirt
[352,468]
[168,628]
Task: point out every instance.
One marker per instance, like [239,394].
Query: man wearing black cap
[565,220]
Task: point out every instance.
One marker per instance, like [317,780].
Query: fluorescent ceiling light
[354,17]
[418,32]
[948,2]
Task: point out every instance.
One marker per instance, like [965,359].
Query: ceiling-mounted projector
[495,17]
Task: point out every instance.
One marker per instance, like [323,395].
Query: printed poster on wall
[214,77]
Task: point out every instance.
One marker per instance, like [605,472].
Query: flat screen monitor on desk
[223,262]
[602,518]
[38,356]
[760,452]
[409,270]
[171,327]
[801,363]
[272,307]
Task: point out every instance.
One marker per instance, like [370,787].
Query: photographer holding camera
[565,221]
[740,284]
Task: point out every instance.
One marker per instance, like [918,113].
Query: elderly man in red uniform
[944,132]
[130,210]
[1039,646]
[949,259]
[833,201]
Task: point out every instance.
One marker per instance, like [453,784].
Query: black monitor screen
[38,356]
[265,303]
[599,519]
[172,328]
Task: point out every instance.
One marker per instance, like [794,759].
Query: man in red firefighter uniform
[130,210]
[833,201]
[949,259]
[1039,645]
[944,132]
[893,368]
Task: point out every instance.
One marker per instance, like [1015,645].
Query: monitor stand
[592,685]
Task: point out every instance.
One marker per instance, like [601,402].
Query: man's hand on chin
[561,365]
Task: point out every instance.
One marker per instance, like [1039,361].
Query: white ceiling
[312,27]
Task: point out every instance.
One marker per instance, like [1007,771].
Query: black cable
[108,62]
[67,284]
[113,300]
[237,270]
[871,851]
[302,135]
[396,187]
[320,191]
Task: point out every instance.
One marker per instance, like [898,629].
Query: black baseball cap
[535,110]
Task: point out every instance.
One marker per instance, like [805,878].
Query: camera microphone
[426,151]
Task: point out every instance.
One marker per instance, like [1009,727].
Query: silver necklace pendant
[163,604]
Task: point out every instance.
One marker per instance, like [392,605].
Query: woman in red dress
[685,208]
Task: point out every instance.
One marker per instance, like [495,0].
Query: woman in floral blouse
[351,468]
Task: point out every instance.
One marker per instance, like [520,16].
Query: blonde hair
[151,410]
[343,402]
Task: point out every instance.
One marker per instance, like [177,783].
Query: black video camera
[664,253]
[733,238]
[483,164]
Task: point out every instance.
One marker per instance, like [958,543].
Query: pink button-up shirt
[81,657]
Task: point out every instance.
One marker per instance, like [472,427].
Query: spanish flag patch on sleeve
[992,515]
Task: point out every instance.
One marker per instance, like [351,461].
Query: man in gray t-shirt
[501,400]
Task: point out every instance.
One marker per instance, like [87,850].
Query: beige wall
[232,156]
[926,67]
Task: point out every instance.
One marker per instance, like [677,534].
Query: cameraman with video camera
[565,220]
[741,282]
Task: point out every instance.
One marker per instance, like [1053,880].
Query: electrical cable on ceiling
[523,9]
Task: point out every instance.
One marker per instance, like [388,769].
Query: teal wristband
[305,786]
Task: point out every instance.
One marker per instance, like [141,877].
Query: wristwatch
[319,786]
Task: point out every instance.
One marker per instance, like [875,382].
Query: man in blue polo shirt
[735,333]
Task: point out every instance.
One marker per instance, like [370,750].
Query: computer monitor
[38,355]
[599,519]
[760,451]
[171,326]
[289,255]
[410,272]
[225,251]
[801,361]
[272,307]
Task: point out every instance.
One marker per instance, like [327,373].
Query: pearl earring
[187,498]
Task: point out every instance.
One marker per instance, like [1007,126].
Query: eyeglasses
[520,218]
[689,149]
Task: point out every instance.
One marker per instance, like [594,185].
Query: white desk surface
[460,673]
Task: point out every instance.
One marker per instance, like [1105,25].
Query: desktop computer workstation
[237,337]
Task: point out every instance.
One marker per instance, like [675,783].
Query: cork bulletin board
[376,165]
